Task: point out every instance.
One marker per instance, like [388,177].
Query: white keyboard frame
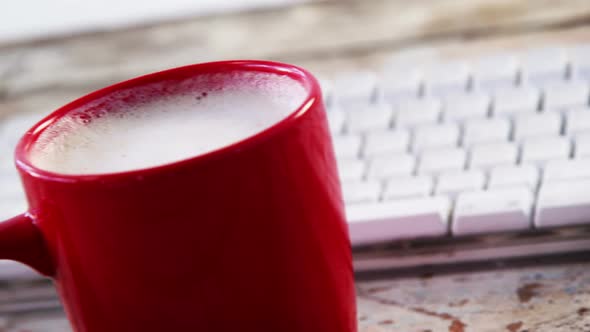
[436,252]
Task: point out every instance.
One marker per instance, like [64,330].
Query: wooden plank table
[327,37]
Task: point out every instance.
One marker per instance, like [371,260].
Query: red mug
[249,237]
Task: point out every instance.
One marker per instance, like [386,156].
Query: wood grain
[302,34]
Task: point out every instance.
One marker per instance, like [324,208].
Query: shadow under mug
[249,237]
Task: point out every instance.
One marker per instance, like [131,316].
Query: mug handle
[21,240]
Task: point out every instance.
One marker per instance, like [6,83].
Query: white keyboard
[444,157]
[496,147]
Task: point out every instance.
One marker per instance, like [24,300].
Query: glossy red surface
[250,237]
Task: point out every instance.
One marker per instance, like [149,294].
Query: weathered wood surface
[534,299]
[328,37]
[307,34]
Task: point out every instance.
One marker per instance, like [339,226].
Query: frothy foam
[165,122]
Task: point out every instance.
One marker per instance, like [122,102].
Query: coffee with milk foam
[165,122]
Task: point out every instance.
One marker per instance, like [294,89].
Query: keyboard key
[582,145]
[437,161]
[369,117]
[566,94]
[399,219]
[400,82]
[361,191]
[512,176]
[546,64]
[486,131]
[493,154]
[459,107]
[539,124]
[391,165]
[435,136]
[541,150]
[348,146]
[453,183]
[496,210]
[444,77]
[351,169]
[491,72]
[383,142]
[412,112]
[408,187]
[327,91]
[563,203]
[336,120]
[577,121]
[580,58]
[524,99]
[355,88]
[559,170]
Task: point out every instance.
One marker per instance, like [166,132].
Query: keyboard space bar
[400,219]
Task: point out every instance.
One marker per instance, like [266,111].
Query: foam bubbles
[165,122]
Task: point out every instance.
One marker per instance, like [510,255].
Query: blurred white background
[32,19]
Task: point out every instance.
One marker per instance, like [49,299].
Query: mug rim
[304,77]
